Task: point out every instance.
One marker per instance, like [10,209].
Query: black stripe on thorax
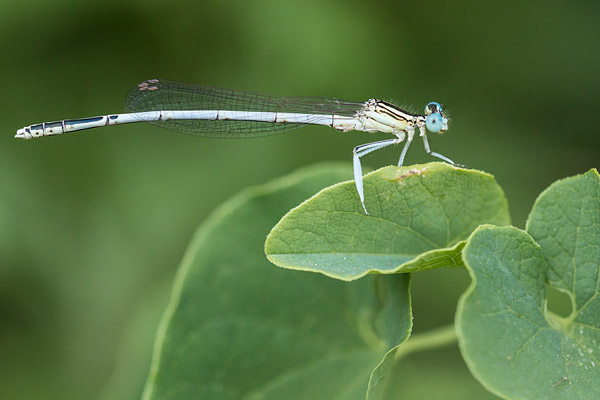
[394,111]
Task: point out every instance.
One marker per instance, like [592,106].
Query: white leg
[411,133]
[360,151]
[438,155]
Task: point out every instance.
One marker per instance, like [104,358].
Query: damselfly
[221,113]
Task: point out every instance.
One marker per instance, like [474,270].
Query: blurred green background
[94,224]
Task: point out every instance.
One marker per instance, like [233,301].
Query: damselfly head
[435,121]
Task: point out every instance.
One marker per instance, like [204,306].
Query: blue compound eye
[433,107]
[435,122]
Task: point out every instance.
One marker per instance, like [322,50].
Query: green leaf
[237,327]
[418,217]
[565,221]
[509,341]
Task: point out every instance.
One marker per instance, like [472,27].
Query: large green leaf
[237,327]
[510,342]
[418,217]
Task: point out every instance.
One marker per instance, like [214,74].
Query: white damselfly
[222,113]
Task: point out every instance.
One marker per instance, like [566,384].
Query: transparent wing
[160,95]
